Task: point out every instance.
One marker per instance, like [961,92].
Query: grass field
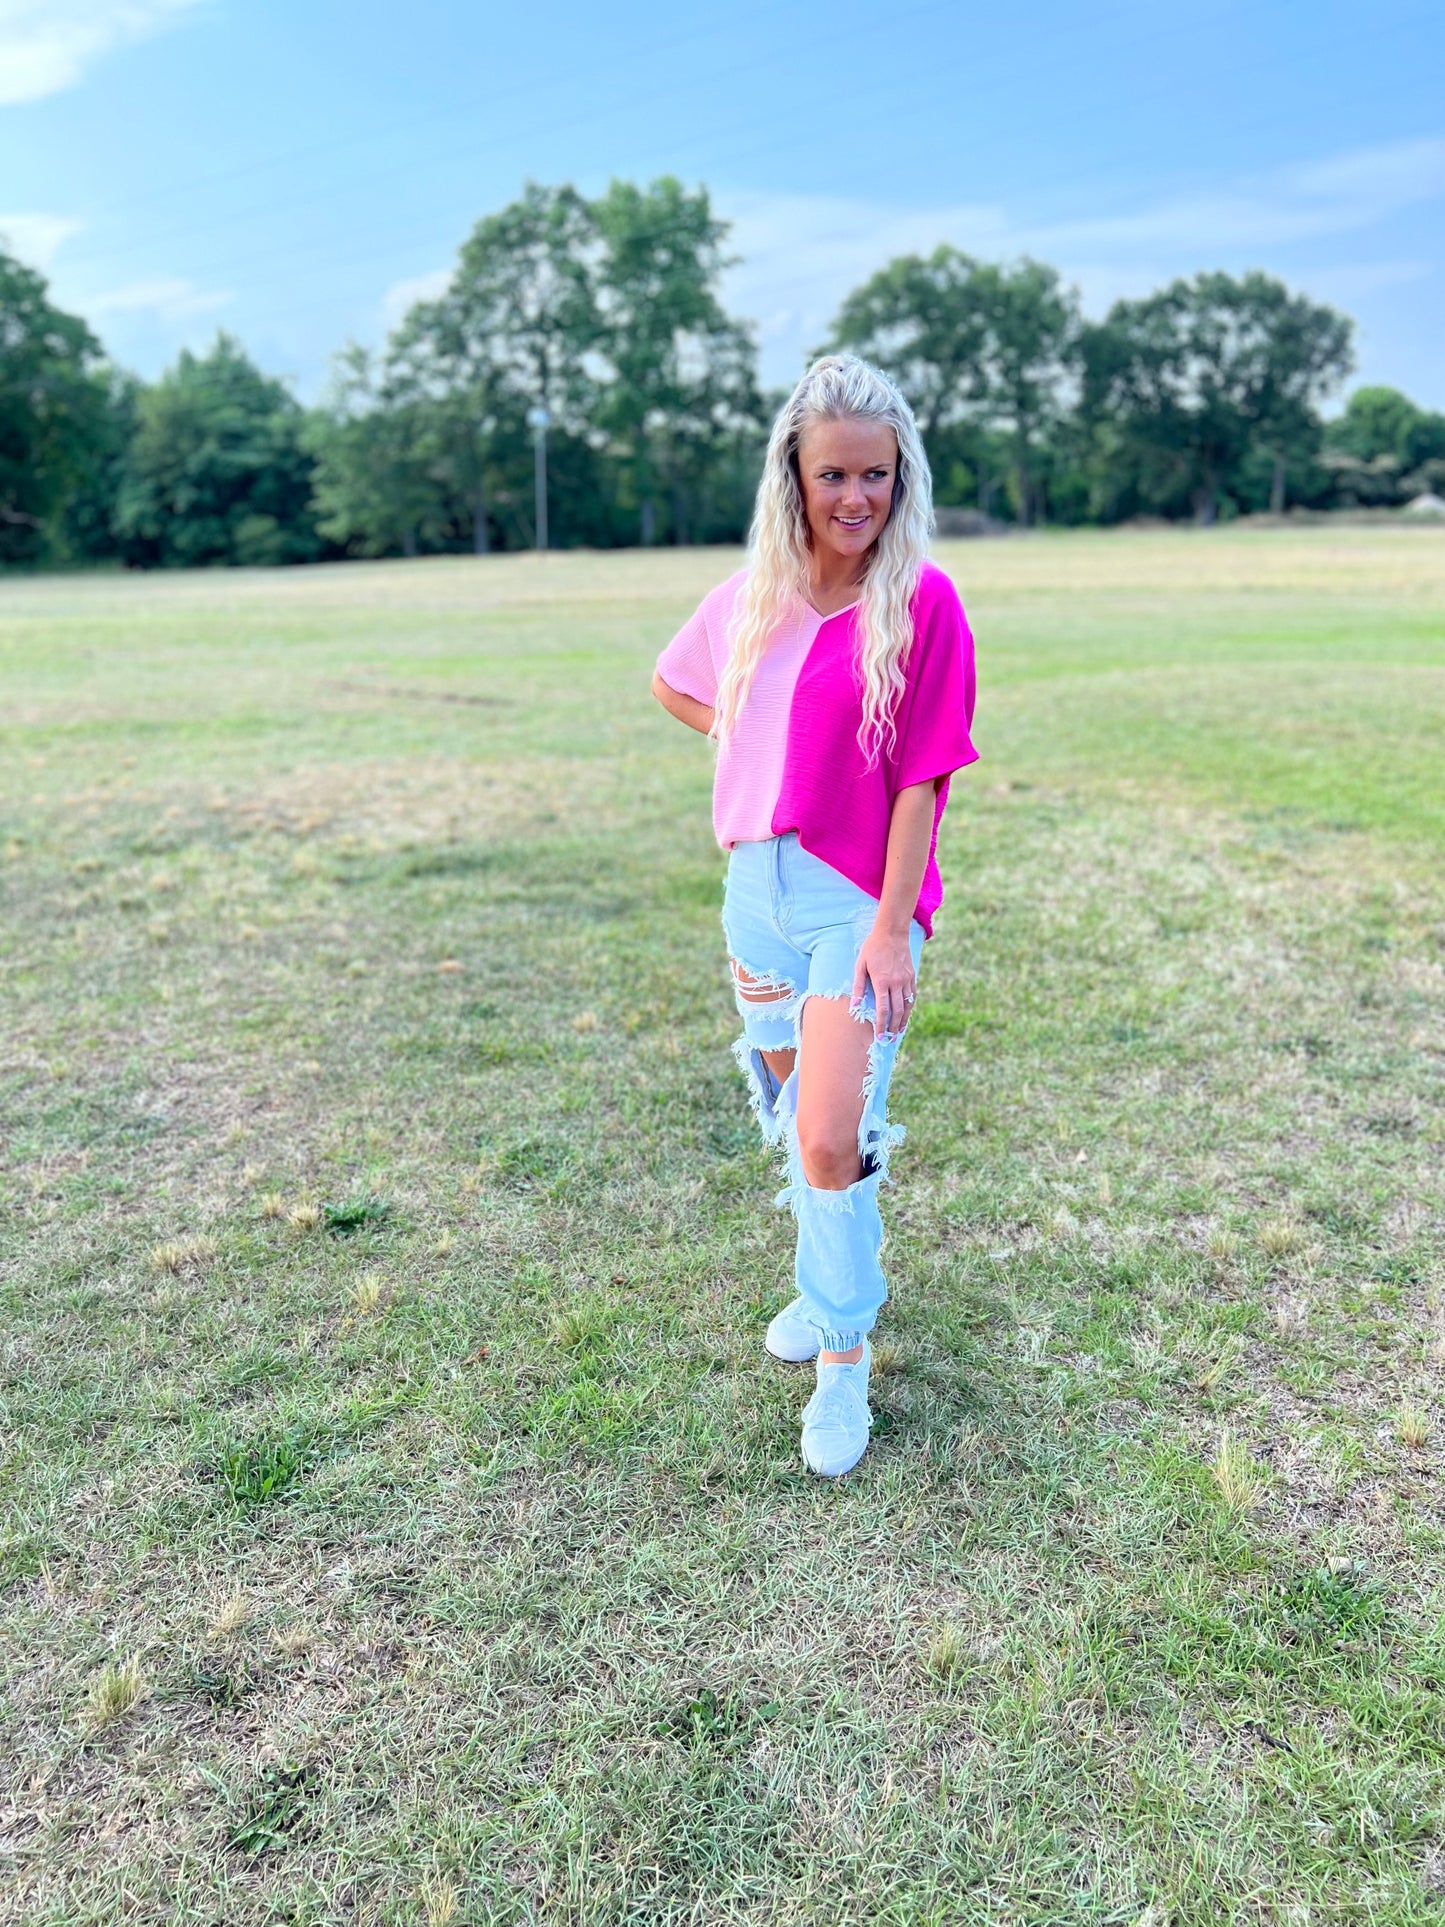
[402,1521]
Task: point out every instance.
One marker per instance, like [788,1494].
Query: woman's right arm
[687,709]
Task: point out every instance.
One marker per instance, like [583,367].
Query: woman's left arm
[886,959]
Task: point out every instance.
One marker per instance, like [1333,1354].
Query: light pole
[540,420]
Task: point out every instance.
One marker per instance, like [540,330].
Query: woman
[836,673]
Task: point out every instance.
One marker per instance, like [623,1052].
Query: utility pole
[540,420]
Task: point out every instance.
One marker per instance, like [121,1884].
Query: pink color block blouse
[793,761]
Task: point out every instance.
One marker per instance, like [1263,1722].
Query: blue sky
[296,173]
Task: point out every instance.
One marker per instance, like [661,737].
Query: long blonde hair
[837,388]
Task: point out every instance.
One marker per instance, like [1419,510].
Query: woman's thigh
[844,1069]
[770,972]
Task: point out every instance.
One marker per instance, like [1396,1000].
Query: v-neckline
[832,612]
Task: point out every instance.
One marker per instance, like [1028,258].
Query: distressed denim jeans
[794,924]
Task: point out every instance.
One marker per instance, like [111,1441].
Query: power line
[542,88]
[449,158]
[381,247]
[963,63]
[370,251]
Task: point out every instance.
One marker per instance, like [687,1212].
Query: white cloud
[403,295]
[47,45]
[802,253]
[171,299]
[37,238]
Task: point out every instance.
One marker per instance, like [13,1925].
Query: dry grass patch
[948,1653]
[368,1295]
[1280,1238]
[889,1360]
[230,1615]
[440,1901]
[1292,1317]
[183,1254]
[1414,1426]
[113,1692]
[1216,1372]
[1238,1478]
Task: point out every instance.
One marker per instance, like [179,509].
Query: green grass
[402,1522]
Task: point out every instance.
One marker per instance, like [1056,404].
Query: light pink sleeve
[686,664]
[693,661]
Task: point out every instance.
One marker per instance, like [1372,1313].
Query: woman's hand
[886,962]
[885,958]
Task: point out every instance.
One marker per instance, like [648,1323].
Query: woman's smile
[847,470]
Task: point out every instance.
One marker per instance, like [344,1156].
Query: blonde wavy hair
[837,388]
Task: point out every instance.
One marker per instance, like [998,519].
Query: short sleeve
[934,738]
[686,664]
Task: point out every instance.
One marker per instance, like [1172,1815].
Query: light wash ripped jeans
[793,923]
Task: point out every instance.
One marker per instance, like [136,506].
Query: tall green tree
[468,398]
[523,304]
[605,313]
[1384,448]
[512,333]
[681,370]
[85,529]
[1031,359]
[217,471]
[1376,421]
[986,354]
[683,374]
[926,322]
[375,486]
[1188,382]
[54,411]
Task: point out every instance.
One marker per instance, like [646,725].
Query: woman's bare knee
[831,1074]
[830,1160]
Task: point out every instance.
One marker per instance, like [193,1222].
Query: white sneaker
[791,1337]
[836,1418]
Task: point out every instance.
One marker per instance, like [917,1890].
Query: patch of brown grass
[1280,1238]
[183,1254]
[1414,1426]
[112,1693]
[230,1615]
[1236,1476]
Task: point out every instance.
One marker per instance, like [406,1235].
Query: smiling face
[847,469]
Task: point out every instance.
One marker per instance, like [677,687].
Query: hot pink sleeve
[934,739]
[686,664]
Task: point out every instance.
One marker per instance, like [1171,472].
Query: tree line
[602,318]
